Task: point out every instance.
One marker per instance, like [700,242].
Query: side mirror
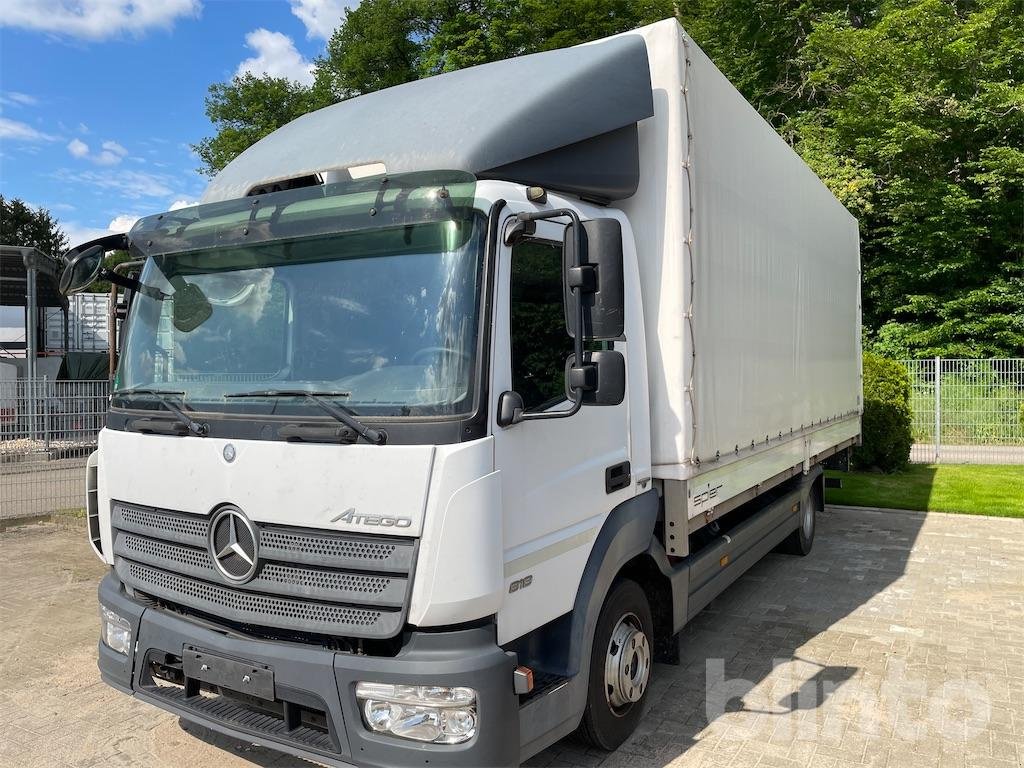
[82,270]
[510,409]
[598,275]
[601,377]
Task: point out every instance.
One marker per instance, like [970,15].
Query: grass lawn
[972,489]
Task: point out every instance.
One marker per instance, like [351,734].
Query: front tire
[620,667]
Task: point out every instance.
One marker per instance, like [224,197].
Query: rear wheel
[800,541]
[620,667]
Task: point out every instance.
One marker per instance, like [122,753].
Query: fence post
[938,408]
[46,416]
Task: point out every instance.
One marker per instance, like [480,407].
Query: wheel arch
[644,570]
[624,538]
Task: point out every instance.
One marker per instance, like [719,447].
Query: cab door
[559,477]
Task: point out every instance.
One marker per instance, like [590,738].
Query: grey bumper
[324,681]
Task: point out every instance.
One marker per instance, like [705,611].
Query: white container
[87,324]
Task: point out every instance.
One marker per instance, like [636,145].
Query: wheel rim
[627,666]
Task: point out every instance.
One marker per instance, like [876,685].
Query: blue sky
[100,99]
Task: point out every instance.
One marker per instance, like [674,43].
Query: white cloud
[96,19]
[122,223]
[113,146]
[83,128]
[12,130]
[78,233]
[134,185]
[275,56]
[78,148]
[321,17]
[18,99]
[111,153]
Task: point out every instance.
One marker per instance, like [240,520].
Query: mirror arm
[577,403]
[131,284]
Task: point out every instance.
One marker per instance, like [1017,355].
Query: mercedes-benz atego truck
[450,404]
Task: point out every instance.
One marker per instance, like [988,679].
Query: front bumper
[319,684]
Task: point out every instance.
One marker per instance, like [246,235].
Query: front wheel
[620,667]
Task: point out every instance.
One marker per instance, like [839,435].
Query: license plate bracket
[242,676]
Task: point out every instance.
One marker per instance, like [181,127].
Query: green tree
[375,47]
[21,224]
[756,44]
[247,109]
[917,122]
[461,33]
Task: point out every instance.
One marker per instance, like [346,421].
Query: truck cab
[274,520]
[377,483]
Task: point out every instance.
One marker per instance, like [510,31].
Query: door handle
[617,477]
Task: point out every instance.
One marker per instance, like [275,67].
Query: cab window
[540,343]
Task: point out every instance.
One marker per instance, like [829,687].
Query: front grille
[324,582]
[316,548]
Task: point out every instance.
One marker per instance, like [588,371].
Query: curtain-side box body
[750,275]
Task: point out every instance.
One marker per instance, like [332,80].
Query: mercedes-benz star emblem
[234,543]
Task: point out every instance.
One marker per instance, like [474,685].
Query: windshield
[384,320]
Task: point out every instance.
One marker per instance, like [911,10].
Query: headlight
[115,631]
[420,712]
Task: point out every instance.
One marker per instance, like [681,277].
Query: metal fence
[967,411]
[47,431]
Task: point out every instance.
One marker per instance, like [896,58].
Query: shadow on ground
[765,626]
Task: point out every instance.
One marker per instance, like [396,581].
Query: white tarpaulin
[750,272]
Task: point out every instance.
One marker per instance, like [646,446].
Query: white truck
[450,404]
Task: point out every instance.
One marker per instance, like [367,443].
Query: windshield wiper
[194,427]
[339,412]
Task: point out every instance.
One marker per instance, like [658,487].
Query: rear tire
[620,667]
[800,541]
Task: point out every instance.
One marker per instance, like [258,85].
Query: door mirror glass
[602,377]
[598,273]
[82,270]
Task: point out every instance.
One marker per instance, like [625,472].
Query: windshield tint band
[385,201]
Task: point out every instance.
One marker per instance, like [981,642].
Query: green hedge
[887,417]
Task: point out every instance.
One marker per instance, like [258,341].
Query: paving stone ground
[897,643]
